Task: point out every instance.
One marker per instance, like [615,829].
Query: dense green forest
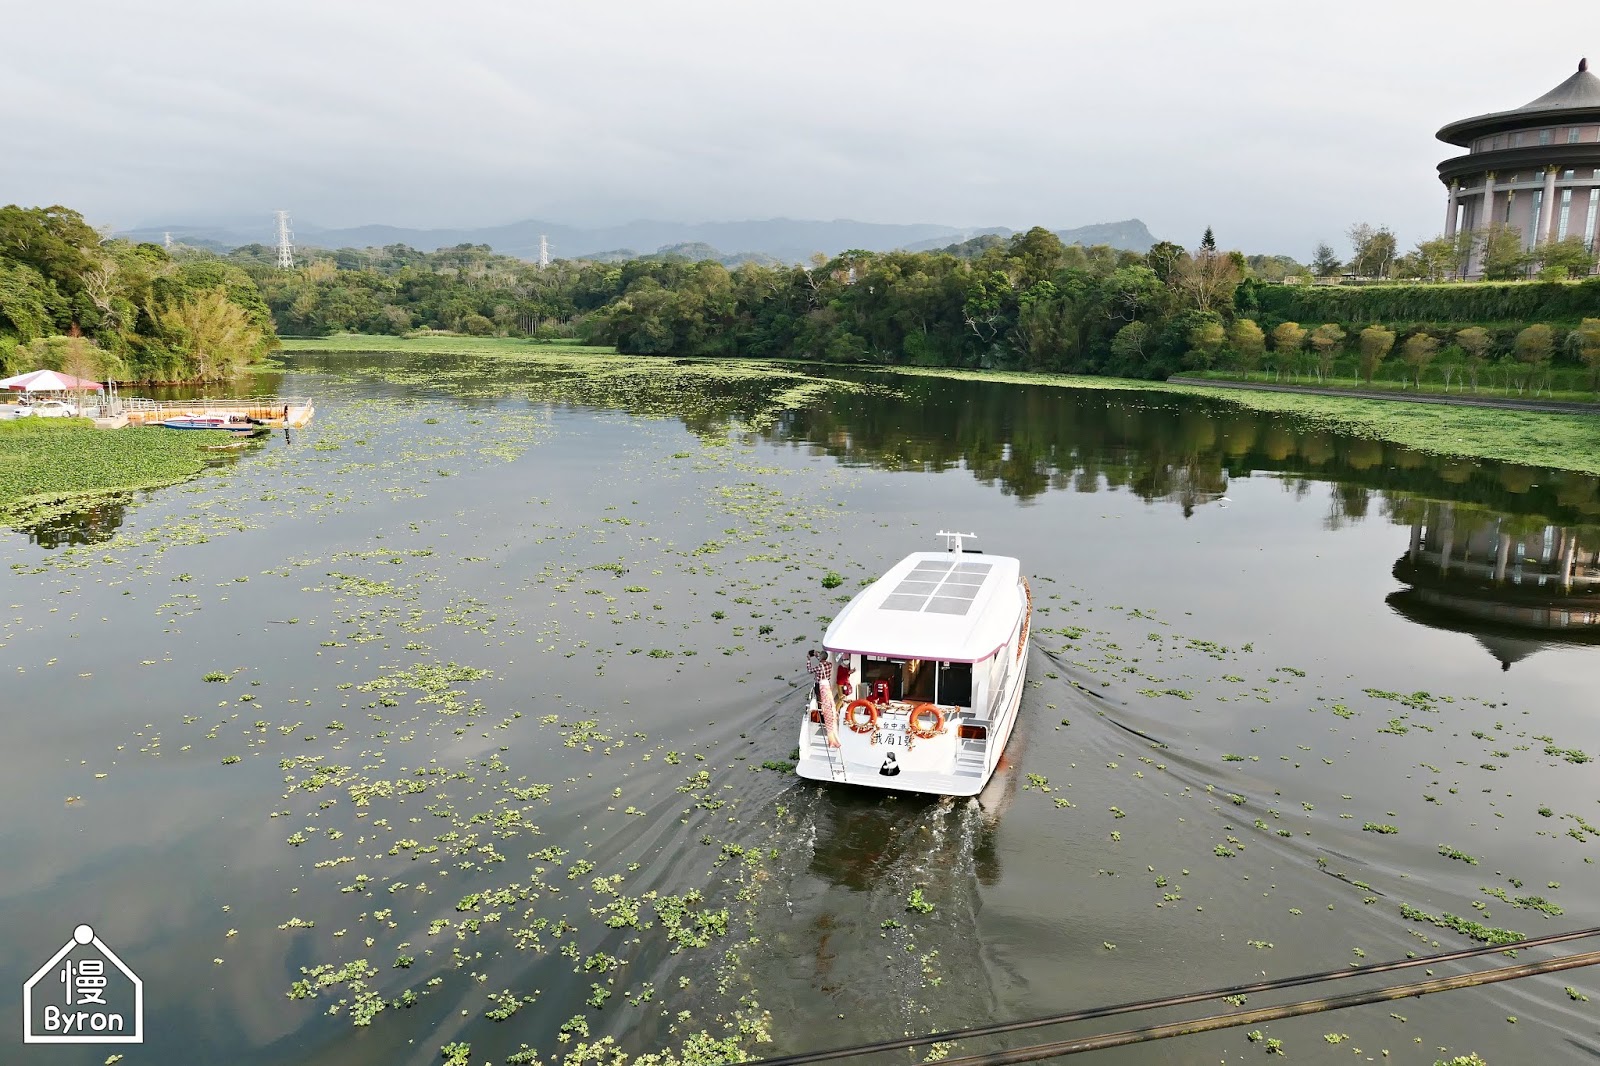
[72,300]
[1026,302]
[1029,302]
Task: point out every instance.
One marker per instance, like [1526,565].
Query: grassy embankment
[1565,384]
[1567,442]
[48,463]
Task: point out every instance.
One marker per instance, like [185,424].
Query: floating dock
[277,412]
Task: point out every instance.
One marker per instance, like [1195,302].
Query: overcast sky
[1277,123]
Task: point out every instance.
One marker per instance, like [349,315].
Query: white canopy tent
[49,381]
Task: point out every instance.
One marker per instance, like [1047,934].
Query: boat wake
[902,873]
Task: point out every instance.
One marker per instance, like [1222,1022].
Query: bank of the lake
[50,463]
[1561,403]
[1557,441]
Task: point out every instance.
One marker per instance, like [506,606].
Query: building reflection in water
[1514,584]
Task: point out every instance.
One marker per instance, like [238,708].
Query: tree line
[73,300]
[1028,301]
[1521,359]
[1502,257]
[1024,302]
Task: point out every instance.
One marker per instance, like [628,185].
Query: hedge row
[1453,305]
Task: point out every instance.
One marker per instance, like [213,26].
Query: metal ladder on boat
[835,756]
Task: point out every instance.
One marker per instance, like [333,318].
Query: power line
[999,1028]
[1213,1022]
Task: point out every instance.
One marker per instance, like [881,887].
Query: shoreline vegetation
[1025,302]
[1577,403]
[1557,441]
[109,310]
[1027,308]
[54,465]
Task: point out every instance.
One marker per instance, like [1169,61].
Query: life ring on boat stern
[921,732]
[855,724]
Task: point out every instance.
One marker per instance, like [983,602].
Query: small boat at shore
[223,420]
[921,676]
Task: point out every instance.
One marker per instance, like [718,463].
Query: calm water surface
[495,678]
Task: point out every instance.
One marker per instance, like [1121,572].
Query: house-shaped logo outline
[135,1037]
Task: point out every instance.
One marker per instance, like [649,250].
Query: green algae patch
[596,375]
[707,392]
[46,464]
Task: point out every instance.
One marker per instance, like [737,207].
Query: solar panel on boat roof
[946,605]
[937,586]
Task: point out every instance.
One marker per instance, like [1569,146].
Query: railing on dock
[260,403]
[293,411]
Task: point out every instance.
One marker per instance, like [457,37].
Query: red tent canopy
[49,381]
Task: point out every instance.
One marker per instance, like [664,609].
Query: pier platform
[292,412]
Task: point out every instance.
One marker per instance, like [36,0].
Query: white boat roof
[950,606]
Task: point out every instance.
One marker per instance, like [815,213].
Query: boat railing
[997,700]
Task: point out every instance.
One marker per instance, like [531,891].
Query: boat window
[955,684]
[997,674]
[918,681]
[912,679]
[890,670]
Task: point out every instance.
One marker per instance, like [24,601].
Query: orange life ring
[855,724]
[921,732]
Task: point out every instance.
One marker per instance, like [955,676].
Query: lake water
[496,664]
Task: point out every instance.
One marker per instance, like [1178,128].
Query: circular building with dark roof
[1534,169]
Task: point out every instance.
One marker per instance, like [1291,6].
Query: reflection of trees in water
[92,525]
[1346,504]
[1516,583]
[258,382]
[1032,440]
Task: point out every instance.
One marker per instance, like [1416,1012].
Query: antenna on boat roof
[953,541]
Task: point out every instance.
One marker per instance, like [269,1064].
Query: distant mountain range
[1130,235]
[778,239]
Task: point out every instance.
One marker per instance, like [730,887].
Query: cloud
[1276,124]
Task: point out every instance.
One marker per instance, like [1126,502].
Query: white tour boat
[925,668]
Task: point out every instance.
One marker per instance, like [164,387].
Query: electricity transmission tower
[285,242]
[167,241]
[544,251]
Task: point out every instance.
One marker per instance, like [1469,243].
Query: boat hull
[206,423]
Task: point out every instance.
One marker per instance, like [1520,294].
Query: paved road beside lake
[1549,406]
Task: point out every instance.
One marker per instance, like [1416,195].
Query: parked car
[44,409]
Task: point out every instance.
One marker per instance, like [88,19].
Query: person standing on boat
[821,671]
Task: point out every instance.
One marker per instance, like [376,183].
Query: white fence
[132,404]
